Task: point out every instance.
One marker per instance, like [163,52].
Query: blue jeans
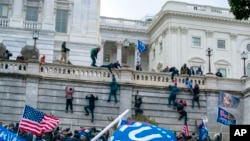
[171,99]
[93,60]
[107,66]
[112,92]
[86,108]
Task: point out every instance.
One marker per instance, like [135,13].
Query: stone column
[48,22]
[17,16]
[125,95]
[76,16]
[234,72]
[119,52]
[184,42]
[173,48]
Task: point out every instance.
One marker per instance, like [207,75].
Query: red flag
[37,122]
[185,129]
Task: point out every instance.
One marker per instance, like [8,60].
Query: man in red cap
[174,89]
[93,55]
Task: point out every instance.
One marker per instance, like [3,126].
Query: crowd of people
[187,71]
[59,134]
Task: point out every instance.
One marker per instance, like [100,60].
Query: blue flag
[6,135]
[203,133]
[141,46]
[225,117]
[138,131]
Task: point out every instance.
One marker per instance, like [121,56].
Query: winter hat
[98,48]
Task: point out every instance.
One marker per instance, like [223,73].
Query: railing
[76,71]
[208,9]
[90,73]
[118,22]
[163,78]
[13,66]
[32,25]
[4,22]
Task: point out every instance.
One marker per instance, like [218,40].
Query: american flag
[37,122]
[185,129]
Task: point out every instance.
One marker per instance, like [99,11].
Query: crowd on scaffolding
[86,134]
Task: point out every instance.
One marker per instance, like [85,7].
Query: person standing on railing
[64,50]
[93,55]
[7,55]
[42,60]
[91,106]
[113,89]
[174,89]
[185,70]
[69,98]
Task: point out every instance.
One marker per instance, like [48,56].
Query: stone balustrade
[153,78]
[13,66]
[32,25]
[123,75]
[118,22]
[4,22]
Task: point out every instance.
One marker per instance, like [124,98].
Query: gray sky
[137,9]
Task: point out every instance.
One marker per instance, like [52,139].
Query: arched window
[224,67]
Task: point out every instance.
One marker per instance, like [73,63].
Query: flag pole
[20,120]
[110,125]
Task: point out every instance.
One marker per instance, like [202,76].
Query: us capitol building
[180,33]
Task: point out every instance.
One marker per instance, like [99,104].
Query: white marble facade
[180,33]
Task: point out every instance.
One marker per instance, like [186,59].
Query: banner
[6,135]
[138,131]
[227,100]
[225,117]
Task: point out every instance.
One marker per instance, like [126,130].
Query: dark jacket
[138,101]
[92,99]
[114,85]
[116,65]
[64,49]
[94,52]
[174,89]
[199,71]
[7,55]
[219,74]
[196,90]
[180,105]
